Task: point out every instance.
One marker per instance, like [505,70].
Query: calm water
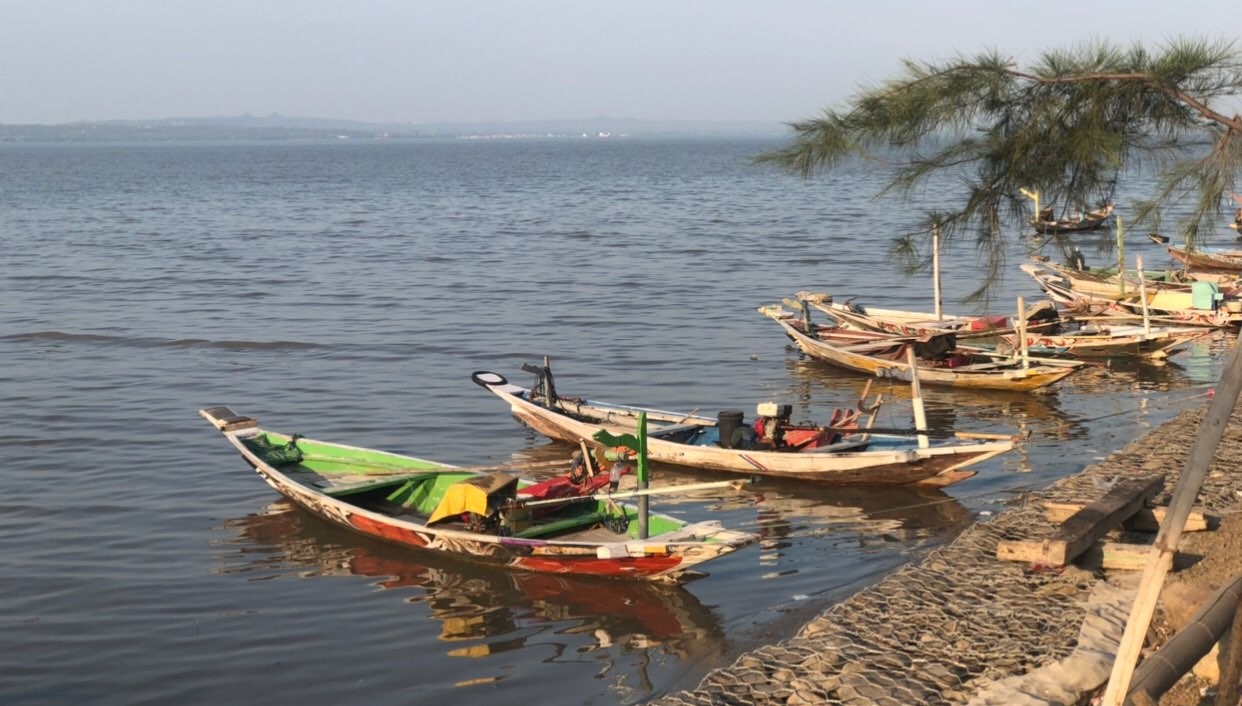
[346,291]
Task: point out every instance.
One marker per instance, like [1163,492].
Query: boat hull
[665,558]
[935,465]
[1015,379]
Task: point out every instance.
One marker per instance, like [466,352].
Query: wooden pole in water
[643,509]
[1143,295]
[1158,564]
[1121,258]
[936,270]
[916,393]
[1022,344]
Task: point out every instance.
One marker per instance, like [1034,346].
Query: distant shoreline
[276,128]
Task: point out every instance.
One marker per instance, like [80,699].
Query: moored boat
[770,445]
[1046,224]
[1225,260]
[559,526]
[1112,340]
[915,323]
[1203,304]
[886,356]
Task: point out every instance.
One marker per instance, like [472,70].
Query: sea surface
[346,291]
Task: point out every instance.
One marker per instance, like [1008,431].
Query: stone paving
[960,621]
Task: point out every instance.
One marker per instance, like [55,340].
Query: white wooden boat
[917,323]
[825,454]
[1106,340]
[885,356]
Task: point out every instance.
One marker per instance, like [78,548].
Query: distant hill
[280,127]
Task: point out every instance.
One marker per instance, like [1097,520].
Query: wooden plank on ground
[1086,526]
[1115,556]
[1147,519]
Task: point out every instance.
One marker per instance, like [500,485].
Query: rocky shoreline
[961,624]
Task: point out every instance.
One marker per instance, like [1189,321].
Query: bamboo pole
[644,512]
[1121,258]
[1143,295]
[1188,485]
[916,393]
[936,270]
[641,493]
[1022,344]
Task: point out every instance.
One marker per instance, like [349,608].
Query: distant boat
[1092,220]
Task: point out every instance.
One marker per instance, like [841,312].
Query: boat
[1045,224]
[771,445]
[915,323]
[1105,282]
[559,526]
[1105,340]
[1201,304]
[1227,260]
[938,364]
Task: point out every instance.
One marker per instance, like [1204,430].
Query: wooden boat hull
[1153,345]
[1164,306]
[663,557]
[1015,379]
[911,323]
[574,420]
[1224,262]
[1092,221]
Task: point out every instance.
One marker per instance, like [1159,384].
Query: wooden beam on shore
[1147,519]
[1086,526]
[1115,556]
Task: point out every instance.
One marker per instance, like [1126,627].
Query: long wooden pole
[936,270]
[1121,258]
[644,512]
[916,393]
[1143,295]
[1022,344]
[1158,564]
[734,484]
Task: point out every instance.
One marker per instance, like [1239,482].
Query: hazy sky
[467,60]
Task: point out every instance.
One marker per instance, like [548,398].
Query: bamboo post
[1022,343]
[936,270]
[916,393]
[1121,258]
[1188,485]
[1143,295]
[643,509]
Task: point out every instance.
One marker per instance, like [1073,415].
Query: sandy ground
[1210,560]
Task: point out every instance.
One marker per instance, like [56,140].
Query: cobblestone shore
[951,627]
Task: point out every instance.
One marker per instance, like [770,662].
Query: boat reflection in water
[482,611]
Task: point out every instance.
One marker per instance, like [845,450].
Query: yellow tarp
[471,495]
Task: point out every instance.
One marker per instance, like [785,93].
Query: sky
[423,61]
